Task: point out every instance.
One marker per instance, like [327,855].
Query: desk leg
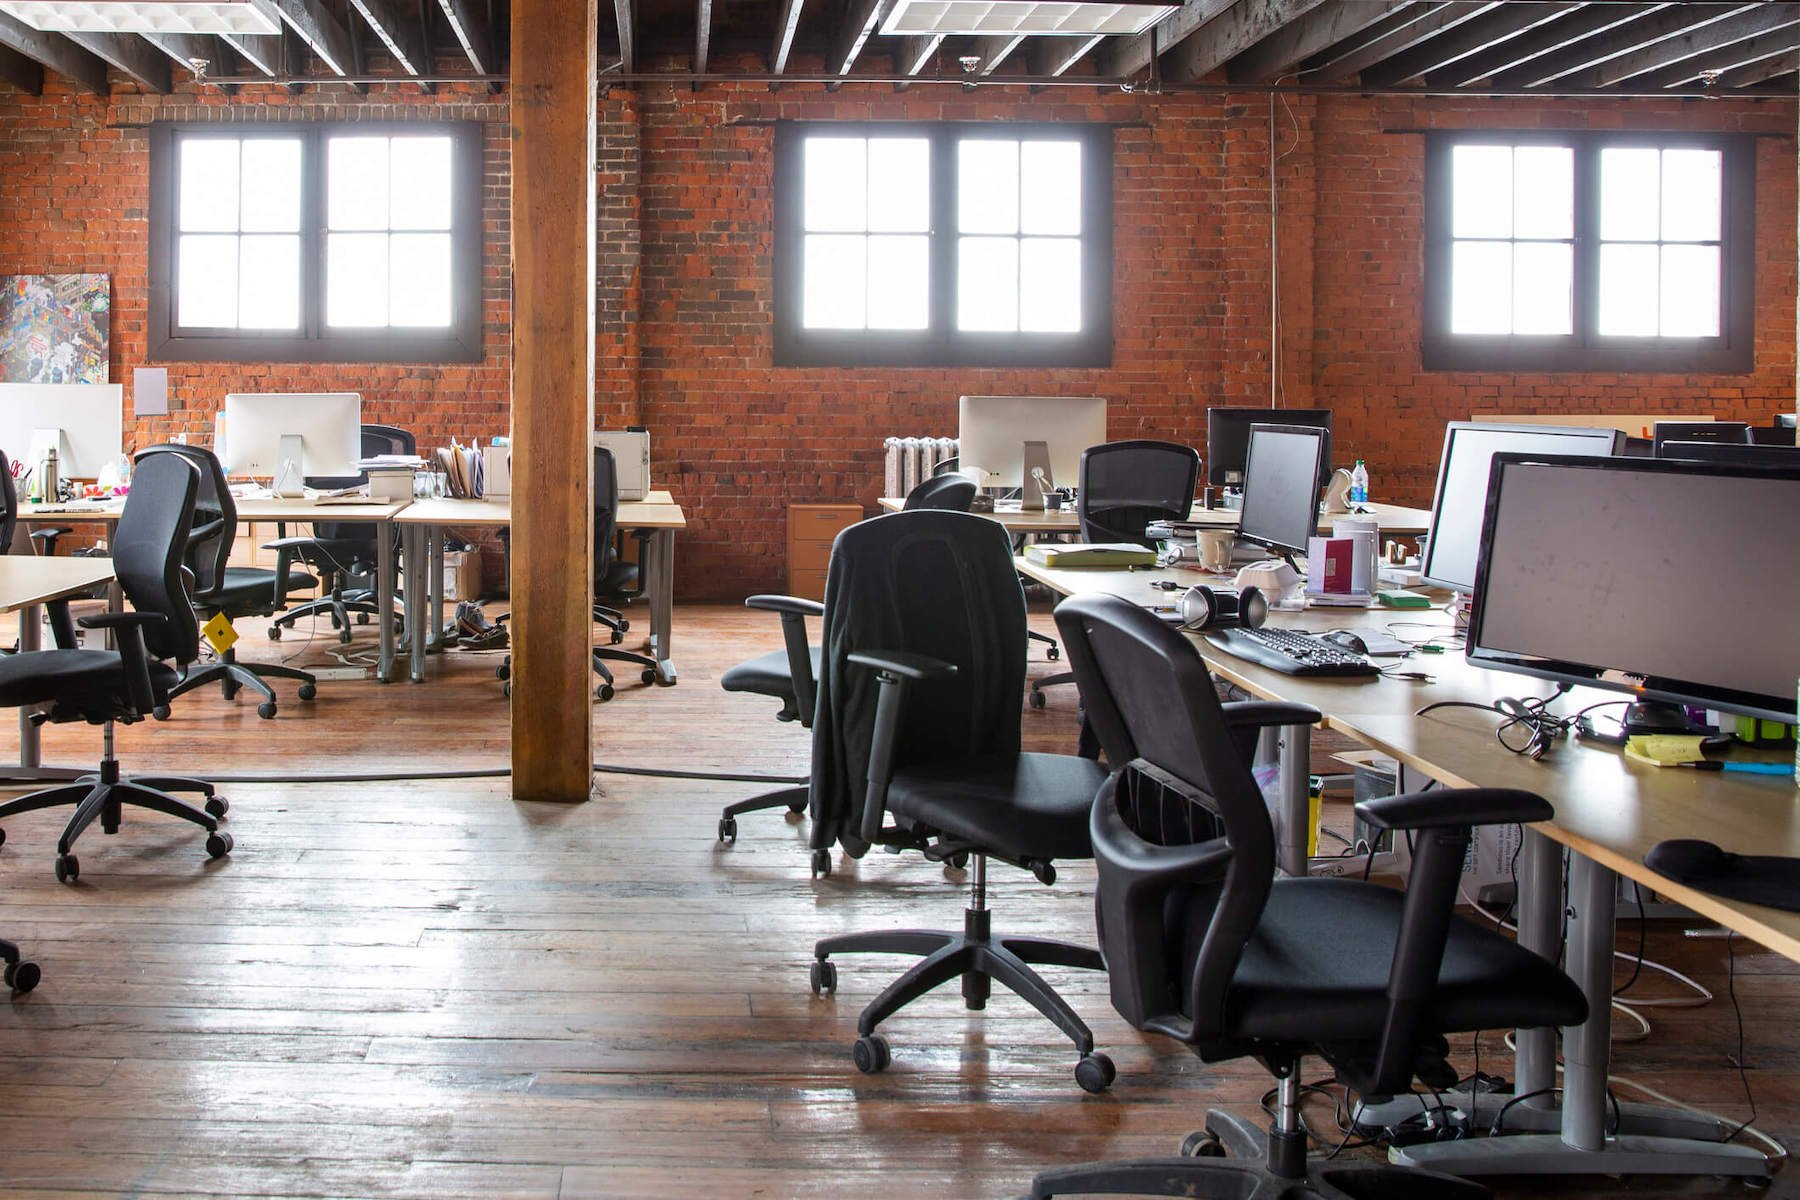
[661,571]
[1290,746]
[31,768]
[384,599]
[434,607]
[418,599]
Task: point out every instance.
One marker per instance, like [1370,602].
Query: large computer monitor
[1699,431]
[1282,472]
[992,432]
[1462,486]
[84,421]
[1669,580]
[1732,453]
[292,436]
[1228,438]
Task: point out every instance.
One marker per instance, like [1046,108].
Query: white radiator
[910,461]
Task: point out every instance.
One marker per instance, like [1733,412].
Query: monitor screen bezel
[1321,438]
[1235,414]
[1672,691]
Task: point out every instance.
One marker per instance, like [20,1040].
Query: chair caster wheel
[160,712]
[798,808]
[506,689]
[624,628]
[308,691]
[871,1054]
[821,864]
[68,868]
[344,636]
[217,806]
[503,671]
[1095,1073]
[274,633]
[728,829]
[1044,872]
[1053,654]
[1037,698]
[362,618]
[824,978]
[2,837]
[604,691]
[617,637]
[649,675]
[218,845]
[22,976]
[1203,1143]
[266,710]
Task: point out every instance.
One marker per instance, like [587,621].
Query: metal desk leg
[1290,746]
[31,768]
[418,607]
[434,591]
[661,572]
[384,599]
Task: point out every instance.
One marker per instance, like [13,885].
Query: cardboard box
[462,575]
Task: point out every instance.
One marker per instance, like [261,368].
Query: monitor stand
[289,455]
[1035,479]
[1649,716]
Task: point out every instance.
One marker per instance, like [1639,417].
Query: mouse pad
[1758,879]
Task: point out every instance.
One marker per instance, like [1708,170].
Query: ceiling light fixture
[146,16]
[1037,18]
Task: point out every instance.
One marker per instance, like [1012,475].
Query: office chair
[1204,945]
[125,683]
[234,591]
[337,549]
[9,505]
[1124,487]
[948,493]
[918,719]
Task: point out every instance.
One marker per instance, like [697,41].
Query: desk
[424,522]
[1609,812]
[26,584]
[1394,518]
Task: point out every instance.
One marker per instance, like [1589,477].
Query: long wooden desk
[1609,812]
[1394,518]
[27,583]
[423,524]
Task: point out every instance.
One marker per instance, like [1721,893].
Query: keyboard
[1293,653]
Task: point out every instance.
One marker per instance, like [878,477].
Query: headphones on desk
[1204,607]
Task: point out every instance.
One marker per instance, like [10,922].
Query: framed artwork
[55,328]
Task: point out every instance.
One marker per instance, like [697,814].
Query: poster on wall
[54,328]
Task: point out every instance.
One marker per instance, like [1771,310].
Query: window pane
[1543,288]
[987,284]
[1543,192]
[419,188]
[837,174]
[209,185]
[206,289]
[987,186]
[1050,285]
[272,186]
[419,280]
[1690,291]
[269,282]
[1050,188]
[1628,291]
[836,282]
[356,280]
[1481,191]
[1629,186]
[356,183]
[1690,195]
[899,282]
[899,185]
[1481,287]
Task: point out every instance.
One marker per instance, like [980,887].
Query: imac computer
[85,422]
[1670,581]
[288,438]
[1282,471]
[1228,439]
[995,434]
[1736,432]
[1732,453]
[1462,487]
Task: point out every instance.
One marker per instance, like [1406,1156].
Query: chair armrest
[121,620]
[47,536]
[1261,714]
[897,671]
[289,543]
[1449,808]
[132,655]
[920,668]
[786,604]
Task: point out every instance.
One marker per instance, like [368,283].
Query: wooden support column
[553,125]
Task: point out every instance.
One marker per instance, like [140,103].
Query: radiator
[910,460]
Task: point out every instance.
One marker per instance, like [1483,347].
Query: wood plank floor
[422,989]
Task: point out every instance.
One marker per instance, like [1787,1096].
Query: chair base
[794,799]
[336,605]
[1038,686]
[605,654]
[1233,1163]
[103,795]
[231,675]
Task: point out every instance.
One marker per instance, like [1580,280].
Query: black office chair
[1204,945]
[234,591]
[918,718]
[126,683]
[1124,487]
[948,493]
[340,549]
[9,505]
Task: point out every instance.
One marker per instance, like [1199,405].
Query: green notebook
[1096,554]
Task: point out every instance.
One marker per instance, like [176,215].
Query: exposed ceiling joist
[996,50]
[1052,57]
[263,53]
[915,52]
[21,72]
[404,38]
[56,52]
[184,48]
[1720,62]
[1129,55]
[627,36]
[1544,39]
[473,34]
[131,55]
[1489,29]
[1743,25]
[1646,30]
[859,23]
[1237,29]
[702,35]
[785,24]
[1401,39]
[1300,39]
[327,39]
[1768,69]
[1400,18]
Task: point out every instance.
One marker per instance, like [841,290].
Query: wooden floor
[423,989]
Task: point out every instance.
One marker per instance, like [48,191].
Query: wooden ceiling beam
[183,48]
[785,25]
[1740,26]
[1049,58]
[403,37]
[1236,30]
[21,72]
[853,35]
[1544,39]
[1488,30]
[627,38]
[262,52]
[1778,67]
[1400,40]
[473,34]
[321,32]
[996,50]
[1665,22]
[56,52]
[1300,39]
[1399,19]
[1129,55]
[916,51]
[131,55]
[1721,62]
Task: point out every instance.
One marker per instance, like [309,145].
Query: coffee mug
[1214,546]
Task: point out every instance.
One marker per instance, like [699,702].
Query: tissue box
[390,483]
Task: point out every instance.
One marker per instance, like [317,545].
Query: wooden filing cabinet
[810,530]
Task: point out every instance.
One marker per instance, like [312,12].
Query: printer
[631,457]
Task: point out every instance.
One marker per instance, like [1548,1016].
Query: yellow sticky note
[219,634]
[1665,749]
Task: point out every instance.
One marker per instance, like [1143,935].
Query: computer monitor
[1462,486]
[1699,431]
[1778,432]
[288,437]
[1228,438]
[992,432]
[1732,453]
[1282,470]
[1669,580]
[84,421]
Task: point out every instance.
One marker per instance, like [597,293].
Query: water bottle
[49,479]
[1359,485]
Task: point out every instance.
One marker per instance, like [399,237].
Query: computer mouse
[1684,859]
[1349,641]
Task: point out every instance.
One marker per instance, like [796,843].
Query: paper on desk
[1665,749]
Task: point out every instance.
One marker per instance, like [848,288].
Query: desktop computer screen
[1731,453]
[1737,432]
[992,432]
[84,421]
[1669,580]
[1282,472]
[1228,438]
[1462,487]
[327,424]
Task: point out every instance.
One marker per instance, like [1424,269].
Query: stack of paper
[1090,554]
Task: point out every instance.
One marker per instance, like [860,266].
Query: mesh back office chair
[125,683]
[337,549]
[9,505]
[1124,487]
[1204,945]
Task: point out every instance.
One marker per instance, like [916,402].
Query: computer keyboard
[1292,653]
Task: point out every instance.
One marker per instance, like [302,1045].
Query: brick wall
[684,219]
